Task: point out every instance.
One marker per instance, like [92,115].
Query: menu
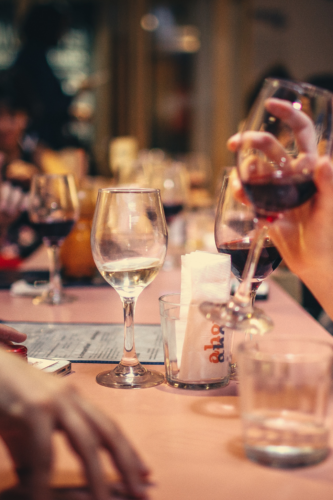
[90,342]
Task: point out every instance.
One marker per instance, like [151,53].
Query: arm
[33,405]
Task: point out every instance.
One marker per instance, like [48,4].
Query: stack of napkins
[204,277]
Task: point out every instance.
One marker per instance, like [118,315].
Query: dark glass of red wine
[53,210]
[234,232]
[287,130]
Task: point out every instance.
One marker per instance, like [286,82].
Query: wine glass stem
[55,278]
[129,357]
[243,294]
[253,294]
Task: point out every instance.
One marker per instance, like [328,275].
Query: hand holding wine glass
[129,243]
[286,132]
[53,209]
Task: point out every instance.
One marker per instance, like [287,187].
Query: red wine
[272,196]
[172,210]
[54,232]
[238,250]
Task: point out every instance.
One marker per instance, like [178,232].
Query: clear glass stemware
[289,127]
[129,244]
[53,209]
[234,231]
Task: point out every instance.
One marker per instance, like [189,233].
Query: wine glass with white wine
[129,244]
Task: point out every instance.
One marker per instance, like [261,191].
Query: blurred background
[147,92]
[176,75]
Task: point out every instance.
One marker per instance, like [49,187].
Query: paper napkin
[205,349]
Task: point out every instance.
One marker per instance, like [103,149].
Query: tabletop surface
[190,439]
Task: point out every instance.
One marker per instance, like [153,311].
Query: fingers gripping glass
[289,127]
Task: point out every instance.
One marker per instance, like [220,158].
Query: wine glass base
[53,299]
[130,377]
[252,321]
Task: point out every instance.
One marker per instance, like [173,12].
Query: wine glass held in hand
[129,244]
[287,130]
[53,209]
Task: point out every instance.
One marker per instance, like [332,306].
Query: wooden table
[191,440]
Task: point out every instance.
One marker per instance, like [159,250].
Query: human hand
[296,124]
[304,235]
[9,334]
[33,405]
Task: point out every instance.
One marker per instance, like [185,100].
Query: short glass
[284,388]
[197,352]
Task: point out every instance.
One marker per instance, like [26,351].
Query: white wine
[130,276]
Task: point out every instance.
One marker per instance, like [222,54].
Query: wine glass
[170,177]
[53,209]
[234,231]
[289,127]
[129,244]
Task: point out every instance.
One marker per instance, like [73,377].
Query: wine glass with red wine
[53,210]
[287,130]
[234,231]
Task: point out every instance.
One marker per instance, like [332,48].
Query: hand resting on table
[32,406]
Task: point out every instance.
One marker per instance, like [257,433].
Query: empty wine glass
[53,209]
[129,244]
[289,127]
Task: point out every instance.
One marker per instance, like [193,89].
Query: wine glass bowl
[171,180]
[53,210]
[289,126]
[234,232]
[129,243]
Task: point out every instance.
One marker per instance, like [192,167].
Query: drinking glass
[129,244]
[285,386]
[289,127]
[53,209]
[234,231]
[174,187]
[170,177]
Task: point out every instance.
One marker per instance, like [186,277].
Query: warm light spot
[149,22]
[168,184]
[297,105]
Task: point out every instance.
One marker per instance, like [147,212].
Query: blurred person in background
[18,163]
[41,29]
